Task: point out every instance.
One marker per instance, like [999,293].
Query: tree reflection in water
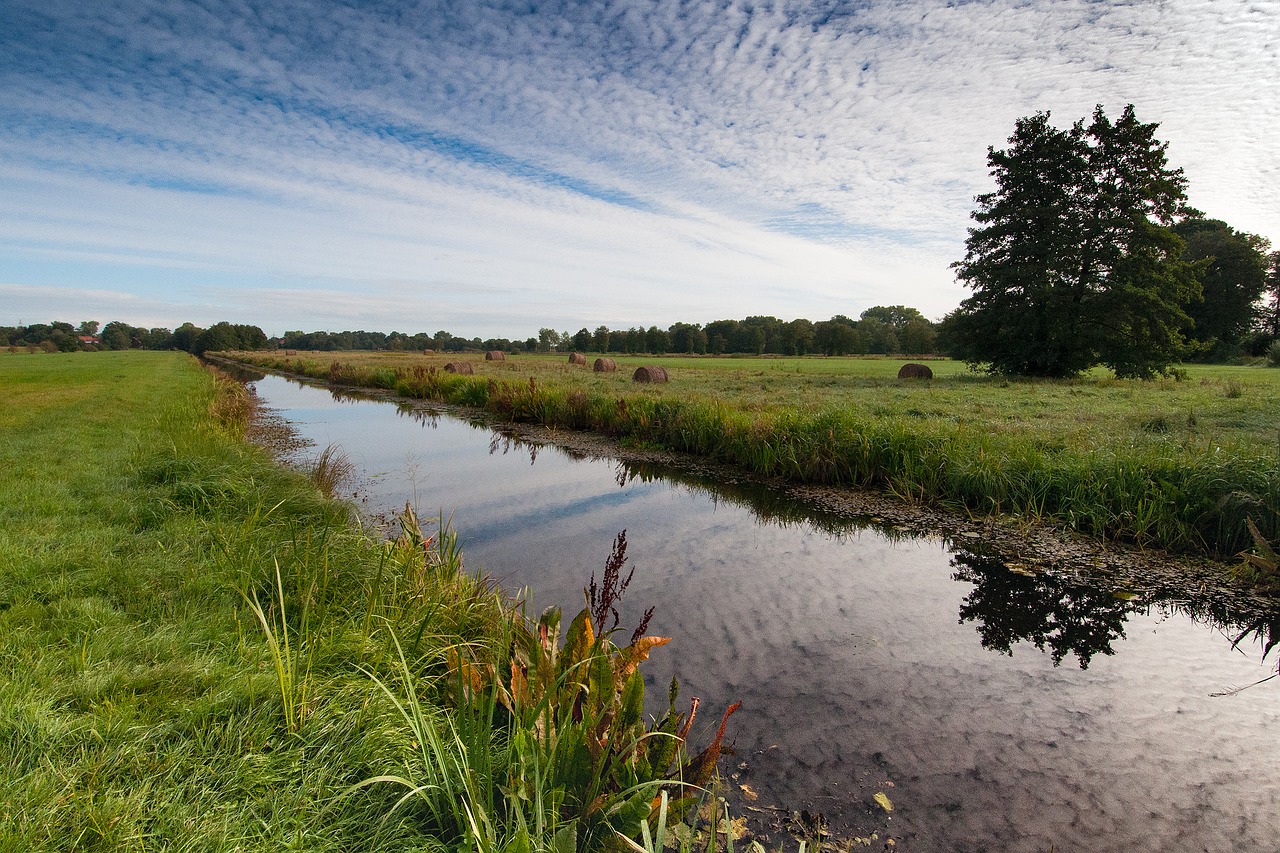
[1060,616]
[1057,616]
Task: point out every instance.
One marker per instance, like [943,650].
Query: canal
[994,709]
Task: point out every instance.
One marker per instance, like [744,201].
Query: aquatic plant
[546,737]
[1260,566]
[331,470]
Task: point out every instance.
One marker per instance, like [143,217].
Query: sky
[493,168]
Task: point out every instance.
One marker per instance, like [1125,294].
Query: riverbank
[1200,584]
[864,655]
[199,648]
[1180,466]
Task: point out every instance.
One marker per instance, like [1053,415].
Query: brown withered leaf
[473,677]
[630,657]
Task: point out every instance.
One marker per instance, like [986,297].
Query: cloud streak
[620,162]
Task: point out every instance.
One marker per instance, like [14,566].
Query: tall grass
[332,470]
[1166,493]
[545,746]
[291,668]
[192,642]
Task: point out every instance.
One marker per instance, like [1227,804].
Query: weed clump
[544,737]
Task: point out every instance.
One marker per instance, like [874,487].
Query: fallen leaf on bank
[734,828]
[883,799]
[747,793]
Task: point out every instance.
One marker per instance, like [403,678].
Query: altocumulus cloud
[495,167]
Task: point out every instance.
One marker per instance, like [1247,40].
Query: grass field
[200,651]
[1182,464]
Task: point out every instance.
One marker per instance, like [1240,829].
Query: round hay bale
[915,371]
[577,358]
[462,368]
[495,355]
[650,374]
[605,365]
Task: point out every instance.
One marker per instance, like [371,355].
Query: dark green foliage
[1232,281]
[1075,262]
[117,335]
[1269,311]
[227,336]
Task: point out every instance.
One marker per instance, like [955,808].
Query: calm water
[996,711]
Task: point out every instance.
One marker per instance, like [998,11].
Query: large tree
[1232,281]
[1075,262]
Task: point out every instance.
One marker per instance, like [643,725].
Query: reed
[332,470]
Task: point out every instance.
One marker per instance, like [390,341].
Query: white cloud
[617,162]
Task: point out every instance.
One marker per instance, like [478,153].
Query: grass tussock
[200,651]
[1175,464]
[332,470]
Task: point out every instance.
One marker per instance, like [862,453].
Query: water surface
[996,711]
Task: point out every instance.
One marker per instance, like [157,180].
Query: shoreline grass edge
[1186,503]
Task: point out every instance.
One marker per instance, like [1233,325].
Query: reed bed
[1181,465]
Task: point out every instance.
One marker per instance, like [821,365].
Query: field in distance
[1216,408]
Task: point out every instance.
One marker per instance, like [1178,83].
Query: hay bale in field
[650,374]
[428,352]
[605,365]
[495,355]
[462,368]
[291,352]
[915,371]
[577,358]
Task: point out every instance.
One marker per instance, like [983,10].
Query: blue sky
[493,168]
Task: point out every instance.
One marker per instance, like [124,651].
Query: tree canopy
[1075,262]
[1232,281]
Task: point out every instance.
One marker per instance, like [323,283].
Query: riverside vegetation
[1184,464]
[200,650]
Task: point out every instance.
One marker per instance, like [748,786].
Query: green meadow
[1185,464]
[200,650]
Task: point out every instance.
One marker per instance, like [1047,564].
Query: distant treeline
[893,329]
[883,329]
[64,337]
